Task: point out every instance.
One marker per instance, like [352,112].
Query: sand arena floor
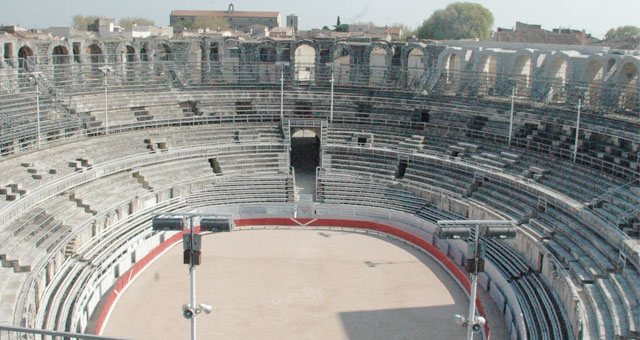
[295,284]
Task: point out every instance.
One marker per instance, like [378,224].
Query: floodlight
[452,232]
[168,223]
[215,224]
[506,232]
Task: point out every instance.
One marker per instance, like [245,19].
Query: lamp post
[192,251]
[36,76]
[575,145]
[458,229]
[332,84]
[282,92]
[513,96]
[106,70]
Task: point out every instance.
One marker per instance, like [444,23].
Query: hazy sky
[596,16]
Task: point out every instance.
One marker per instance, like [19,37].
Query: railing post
[513,96]
[575,146]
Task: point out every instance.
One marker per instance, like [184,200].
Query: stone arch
[231,52]
[593,76]
[267,53]
[144,52]
[267,57]
[95,53]
[558,74]
[60,58]
[378,64]
[25,52]
[305,61]
[59,54]
[128,57]
[342,63]
[628,80]
[452,63]
[415,65]
[487,68]
[163,51]
[522,73]
[559,69]
[128,53]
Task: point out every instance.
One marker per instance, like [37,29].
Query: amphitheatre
[340,140]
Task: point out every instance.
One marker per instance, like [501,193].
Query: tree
[338,23]
[623,33]
[459,20]
[127,23]
[80,22]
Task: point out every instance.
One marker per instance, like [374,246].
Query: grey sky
[596,16]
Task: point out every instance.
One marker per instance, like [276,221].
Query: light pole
[36,76]
[106,70]
[282,92]
[575,145]
[458,229]
[513,96]
[332,83]
[192,251]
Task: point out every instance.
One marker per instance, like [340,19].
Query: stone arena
[379,137]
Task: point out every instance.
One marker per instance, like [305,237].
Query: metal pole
[38,113]
[282,93]
[192,272]
[106,103]
[332,81]
[474,284]
[513,96]
[575,146]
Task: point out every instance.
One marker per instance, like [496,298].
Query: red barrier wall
[434,251]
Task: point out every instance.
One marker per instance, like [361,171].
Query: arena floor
[294,284]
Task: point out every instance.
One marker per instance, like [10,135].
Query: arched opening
[144,54]
[415,66]
[267,54]
[95,54]
[267,68]
[377,65]
[558,77]
[522,74]
[305,158]
[593,79]
[488,73]
[164,53]
[128,58]
[305,60]
[452,68]
[342,66]
[24,54]
[128,54]
[629,81]
[60,58]
[96,59]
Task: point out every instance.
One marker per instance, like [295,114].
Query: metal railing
[11,332]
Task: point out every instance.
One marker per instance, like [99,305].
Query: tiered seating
[429,172]
[375,162]
[263,188]
[337,187]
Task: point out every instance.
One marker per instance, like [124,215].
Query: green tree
[81,22]
[459,20]
[127,23]
[623,33]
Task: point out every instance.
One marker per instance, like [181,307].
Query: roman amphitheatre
[369,143]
